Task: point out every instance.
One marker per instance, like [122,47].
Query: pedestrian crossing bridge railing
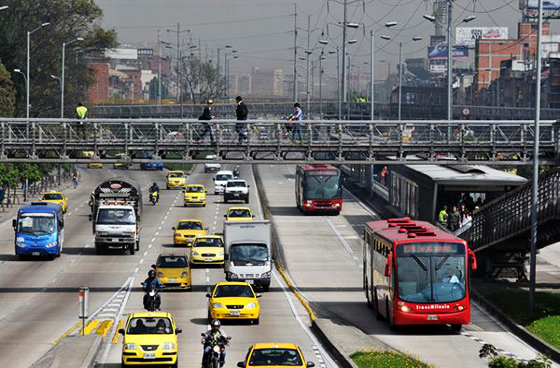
[332,141]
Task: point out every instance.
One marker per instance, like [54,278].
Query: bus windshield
[322,186]
[36,223]
[431,272]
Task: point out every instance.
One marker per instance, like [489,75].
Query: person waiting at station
[454,219]
[443,216]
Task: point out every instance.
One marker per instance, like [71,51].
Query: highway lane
[282,319]
[328,272]
[39,297]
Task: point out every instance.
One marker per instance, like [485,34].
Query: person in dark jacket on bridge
[207,115]
[241,113]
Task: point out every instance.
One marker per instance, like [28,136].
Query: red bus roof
[406,230]
[318,167]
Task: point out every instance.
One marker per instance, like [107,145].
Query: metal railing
[509,216]
[335,141]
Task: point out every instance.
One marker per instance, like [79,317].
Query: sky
[262,30]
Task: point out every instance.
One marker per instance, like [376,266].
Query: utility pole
[295,54]
[338,84]
[449,65]
[218,73]
[178,63]
[372,80]
[344,21]
[535,199]
[308,52]
[321,86]
[159,67]
[400,79]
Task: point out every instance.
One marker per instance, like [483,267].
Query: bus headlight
[405,309]
[336,205]
[20,244]
[459,308]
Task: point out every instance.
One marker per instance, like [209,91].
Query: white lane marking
[157,233]
[312,337]
[72,260]
[136,270]
[145,253]
[153,240]
[159,228]
[339,235]
[141,261]
[150,245]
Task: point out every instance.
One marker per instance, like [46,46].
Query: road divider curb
[115,338]
[301,299]
[104,327]
[72,329]
[89,327]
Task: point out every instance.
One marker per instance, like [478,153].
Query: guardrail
[333,141]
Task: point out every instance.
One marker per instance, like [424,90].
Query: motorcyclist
[152,283]
[214,334]
[236,171]
[154,188]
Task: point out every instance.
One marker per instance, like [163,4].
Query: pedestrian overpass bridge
[269,141]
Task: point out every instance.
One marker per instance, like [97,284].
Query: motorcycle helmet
[216,324]
[152,274]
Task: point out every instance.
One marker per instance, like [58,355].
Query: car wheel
[266,288]
[123,365]
[247,200]
[99,250]
[226,200]
[456,328]
[256,321]
[132,249]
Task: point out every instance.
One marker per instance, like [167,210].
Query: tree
[68,19]
[200,79]
[7,94]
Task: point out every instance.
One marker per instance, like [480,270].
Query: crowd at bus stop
[459,216]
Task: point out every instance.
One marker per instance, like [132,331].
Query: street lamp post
[61,98]
[64,44]
[227,73]
[218,66]
[371,79]
[29,33]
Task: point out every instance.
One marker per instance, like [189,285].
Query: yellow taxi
[95,165]
[208,249]
[176,180]
[120,165]
[56,197]
[150,338]
[275,355]
[174,271]
[187,230]
[194,194]
[239,214]
[234,300]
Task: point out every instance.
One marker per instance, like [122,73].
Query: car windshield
[194,190]
[224,177]
[36,223]
[209,242]
[268,357]
[236,184]
[255,254]
[116,216]
[229,291]
[322,186]
[172,262]
[431,272]
[239,213]
[52,196]
[176,175]
[190,225]
[149,326]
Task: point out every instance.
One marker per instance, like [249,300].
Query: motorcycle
[154,197]
[236,172]
[151,301]
[216,348]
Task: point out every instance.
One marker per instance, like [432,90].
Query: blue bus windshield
[36,223]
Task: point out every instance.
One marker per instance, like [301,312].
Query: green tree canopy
[7,94]
[69,19]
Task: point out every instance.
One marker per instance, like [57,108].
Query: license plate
[35,254]
[236,194]
[115,240]
[432,317]
[171,281]
[234,313]
[251,282]
[149,355]
[208,260]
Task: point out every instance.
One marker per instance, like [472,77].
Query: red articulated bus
[416,273]
[318,188]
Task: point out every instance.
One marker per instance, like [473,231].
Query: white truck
[236,190]
[248,252]
[116,206]
[221,179]
[211,166]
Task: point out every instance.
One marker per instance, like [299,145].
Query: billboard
[551,8]
[467,36]
[440,51]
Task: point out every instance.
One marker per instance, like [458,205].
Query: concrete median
[73,351]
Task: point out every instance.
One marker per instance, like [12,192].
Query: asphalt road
[327,270]
[39,301]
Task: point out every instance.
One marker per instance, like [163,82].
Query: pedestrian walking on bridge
[297,117]
[207,116]
[81,115]
[241,112]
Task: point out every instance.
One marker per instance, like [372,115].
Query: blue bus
[39,230]
[150,165]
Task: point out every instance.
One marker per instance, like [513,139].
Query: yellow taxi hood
[235,300]
[191,232]
[172,272]
[200,250]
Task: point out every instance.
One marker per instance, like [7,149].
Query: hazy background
[262,30]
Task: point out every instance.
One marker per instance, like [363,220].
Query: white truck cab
[236,190]
[116,226]
[221,179]
[248,252]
